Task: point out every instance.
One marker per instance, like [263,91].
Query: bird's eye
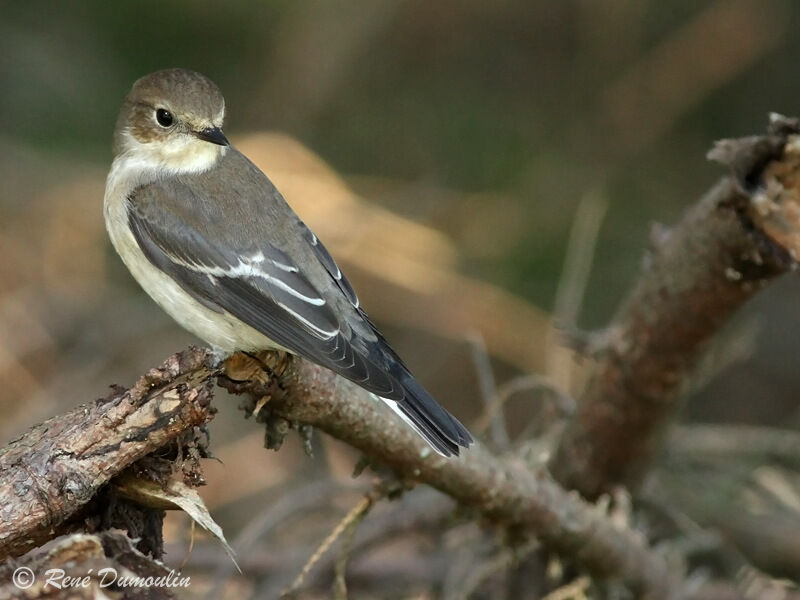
[164,117]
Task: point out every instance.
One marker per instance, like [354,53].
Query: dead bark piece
[57,467]
[775,208]
[174,495]
[740,236]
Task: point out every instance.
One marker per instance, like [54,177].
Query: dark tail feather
[439,428]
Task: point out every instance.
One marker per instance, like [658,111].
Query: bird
[209,237]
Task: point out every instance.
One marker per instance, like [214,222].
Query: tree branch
[738,238]
[503,490]
[55,468]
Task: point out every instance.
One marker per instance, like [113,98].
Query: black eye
[164,117]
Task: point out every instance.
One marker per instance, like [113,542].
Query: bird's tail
[437,426]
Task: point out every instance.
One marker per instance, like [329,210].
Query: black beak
[213,135]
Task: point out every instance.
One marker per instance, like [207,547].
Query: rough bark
[55,468]
[740,236]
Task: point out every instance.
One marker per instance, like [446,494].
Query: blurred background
[483,171]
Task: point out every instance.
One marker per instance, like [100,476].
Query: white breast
[221,330]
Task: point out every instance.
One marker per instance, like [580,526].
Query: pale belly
[221,330]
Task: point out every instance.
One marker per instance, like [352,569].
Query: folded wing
[269,290]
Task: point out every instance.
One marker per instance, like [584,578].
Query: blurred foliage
[507,97]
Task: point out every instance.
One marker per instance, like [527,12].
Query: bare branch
[739,237]
[353,516]
[505,491]
[500,439]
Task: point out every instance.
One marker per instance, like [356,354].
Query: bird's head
[173,119]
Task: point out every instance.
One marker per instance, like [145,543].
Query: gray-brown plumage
[206,233]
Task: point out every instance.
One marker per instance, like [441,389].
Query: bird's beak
[213,135]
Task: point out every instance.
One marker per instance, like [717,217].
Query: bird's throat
[174,157]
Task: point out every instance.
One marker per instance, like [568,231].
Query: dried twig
[572,285]
[483,366]
[564,404]
[351,518]
[573,590]
[340,570]
[304,498]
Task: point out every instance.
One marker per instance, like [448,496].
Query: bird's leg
[306,433]
[217,357]
[257,375]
